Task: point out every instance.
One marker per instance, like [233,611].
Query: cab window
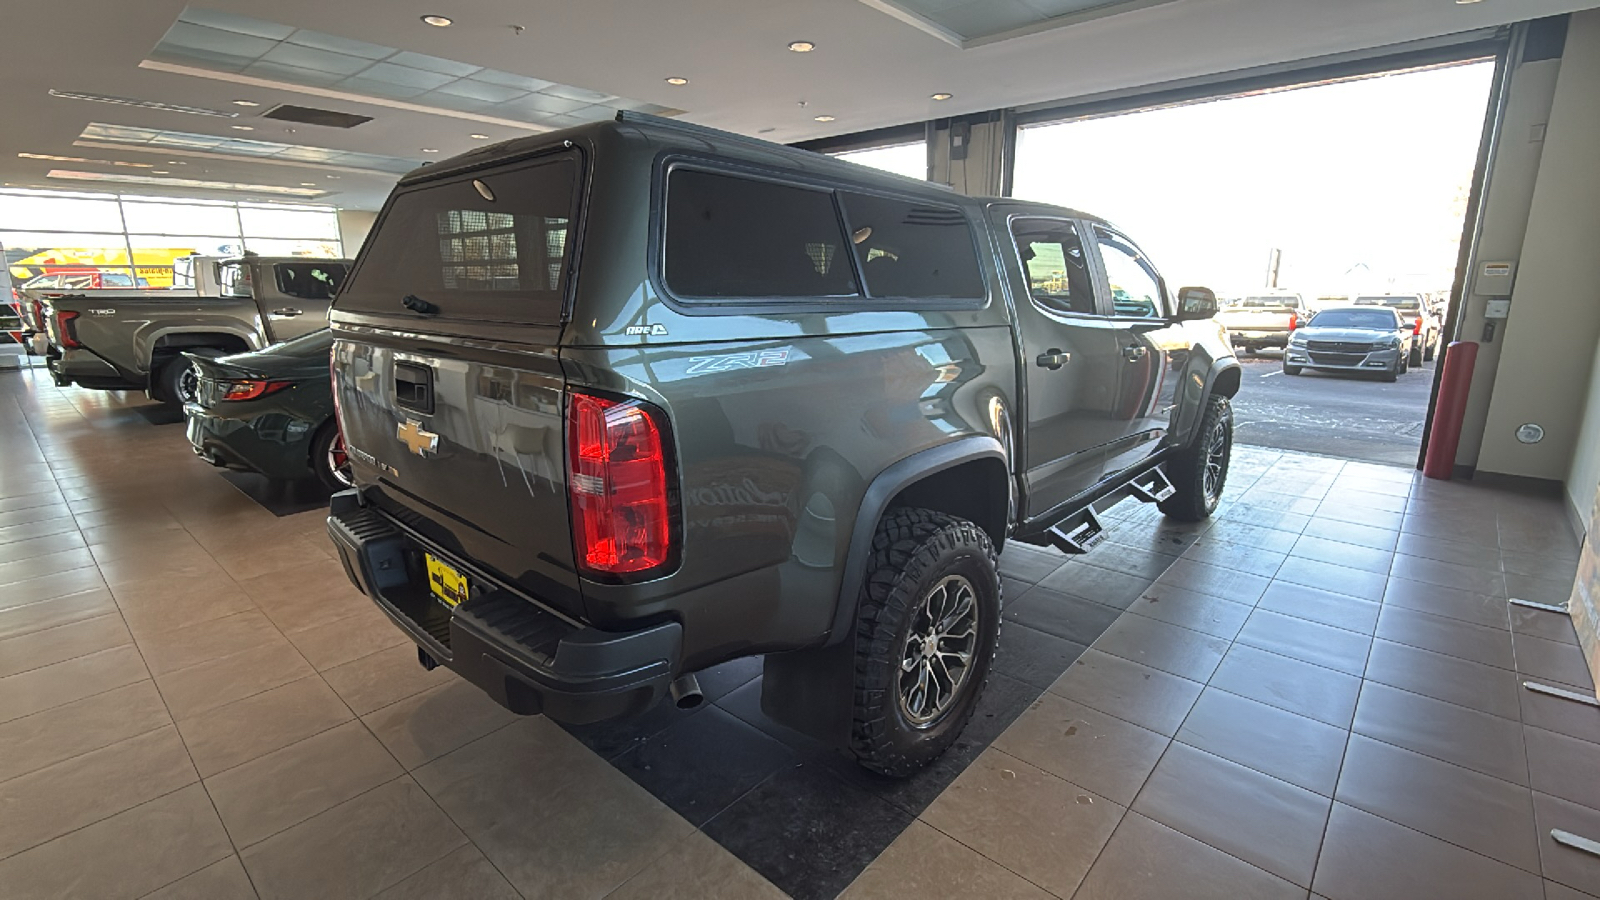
[235,280]
[1053,262]
[1135,286]
[308,280]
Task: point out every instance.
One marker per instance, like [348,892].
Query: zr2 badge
[760,359]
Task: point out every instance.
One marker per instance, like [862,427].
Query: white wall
[1505,221]
[354,224]
[1583,478]
[1550,340]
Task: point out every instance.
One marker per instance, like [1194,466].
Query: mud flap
[811,691]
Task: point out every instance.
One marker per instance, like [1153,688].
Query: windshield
[1396,302]
[1355,318]
[1266,302]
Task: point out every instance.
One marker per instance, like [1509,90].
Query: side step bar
[1082,531]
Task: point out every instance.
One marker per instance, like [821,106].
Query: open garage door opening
[1327,216]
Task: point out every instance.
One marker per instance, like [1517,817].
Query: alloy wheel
[937,656]
[339,461]
[1216,460]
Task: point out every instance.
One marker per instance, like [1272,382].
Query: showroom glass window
[117,241]
[1053,260]
[911,249]
[493,246]
[730,237]
[1135,286]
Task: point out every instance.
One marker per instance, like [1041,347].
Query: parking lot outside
[1334,414]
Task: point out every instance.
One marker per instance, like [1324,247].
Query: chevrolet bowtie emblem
[414,436]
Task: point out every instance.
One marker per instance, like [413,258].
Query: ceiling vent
[306,115]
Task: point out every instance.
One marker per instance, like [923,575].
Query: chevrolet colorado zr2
[629,400]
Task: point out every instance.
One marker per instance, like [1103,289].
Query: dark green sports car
[270,412]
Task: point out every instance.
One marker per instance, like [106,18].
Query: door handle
[1133,353]
[1053,359]
[287,312]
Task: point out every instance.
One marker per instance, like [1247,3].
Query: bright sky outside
[1361,184]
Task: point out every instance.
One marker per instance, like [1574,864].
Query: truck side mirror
[1196,303]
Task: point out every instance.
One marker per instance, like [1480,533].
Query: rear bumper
[86,369]
[1257,338]
[527,659]
[273,444]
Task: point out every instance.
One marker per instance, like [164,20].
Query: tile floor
[1317,693]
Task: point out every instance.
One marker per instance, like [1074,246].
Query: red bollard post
[1451,408]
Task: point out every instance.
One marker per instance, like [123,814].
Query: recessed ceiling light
[439,21]
[802,46]
[479,137]
[675,80]
[824,118]
[333,176]
[242,127]
[159,172]
[942,96]
[245,103]
[429,150]
[308,184]
[1465,2]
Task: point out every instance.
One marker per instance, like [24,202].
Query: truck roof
[667,133]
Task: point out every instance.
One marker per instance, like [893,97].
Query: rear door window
[914,250]
[491,245]
[733,237]
[309,280]
[1053,260]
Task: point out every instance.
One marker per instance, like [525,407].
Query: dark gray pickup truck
[120,340]
[630,400]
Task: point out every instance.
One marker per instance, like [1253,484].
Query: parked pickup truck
[633,399]
[135,340]
[1264,320]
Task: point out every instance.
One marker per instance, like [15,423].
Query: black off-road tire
[1416,356]
[915,551]
[1431,351]
[1198,487]
[172,381]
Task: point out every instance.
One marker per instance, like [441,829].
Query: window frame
[672,161]
[1150,266]
[1091,262]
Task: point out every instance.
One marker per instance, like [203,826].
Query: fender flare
[875,501]
[1193,411]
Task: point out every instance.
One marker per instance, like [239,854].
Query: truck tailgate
[465,446]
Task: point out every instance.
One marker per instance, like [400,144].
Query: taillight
[1294,321]
[251,390]
[1418,329]
[67,330]
[617,479]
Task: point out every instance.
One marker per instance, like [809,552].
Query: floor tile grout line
[1049,774]
[452,819]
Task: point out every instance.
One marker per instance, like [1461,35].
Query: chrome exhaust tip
[686,692]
